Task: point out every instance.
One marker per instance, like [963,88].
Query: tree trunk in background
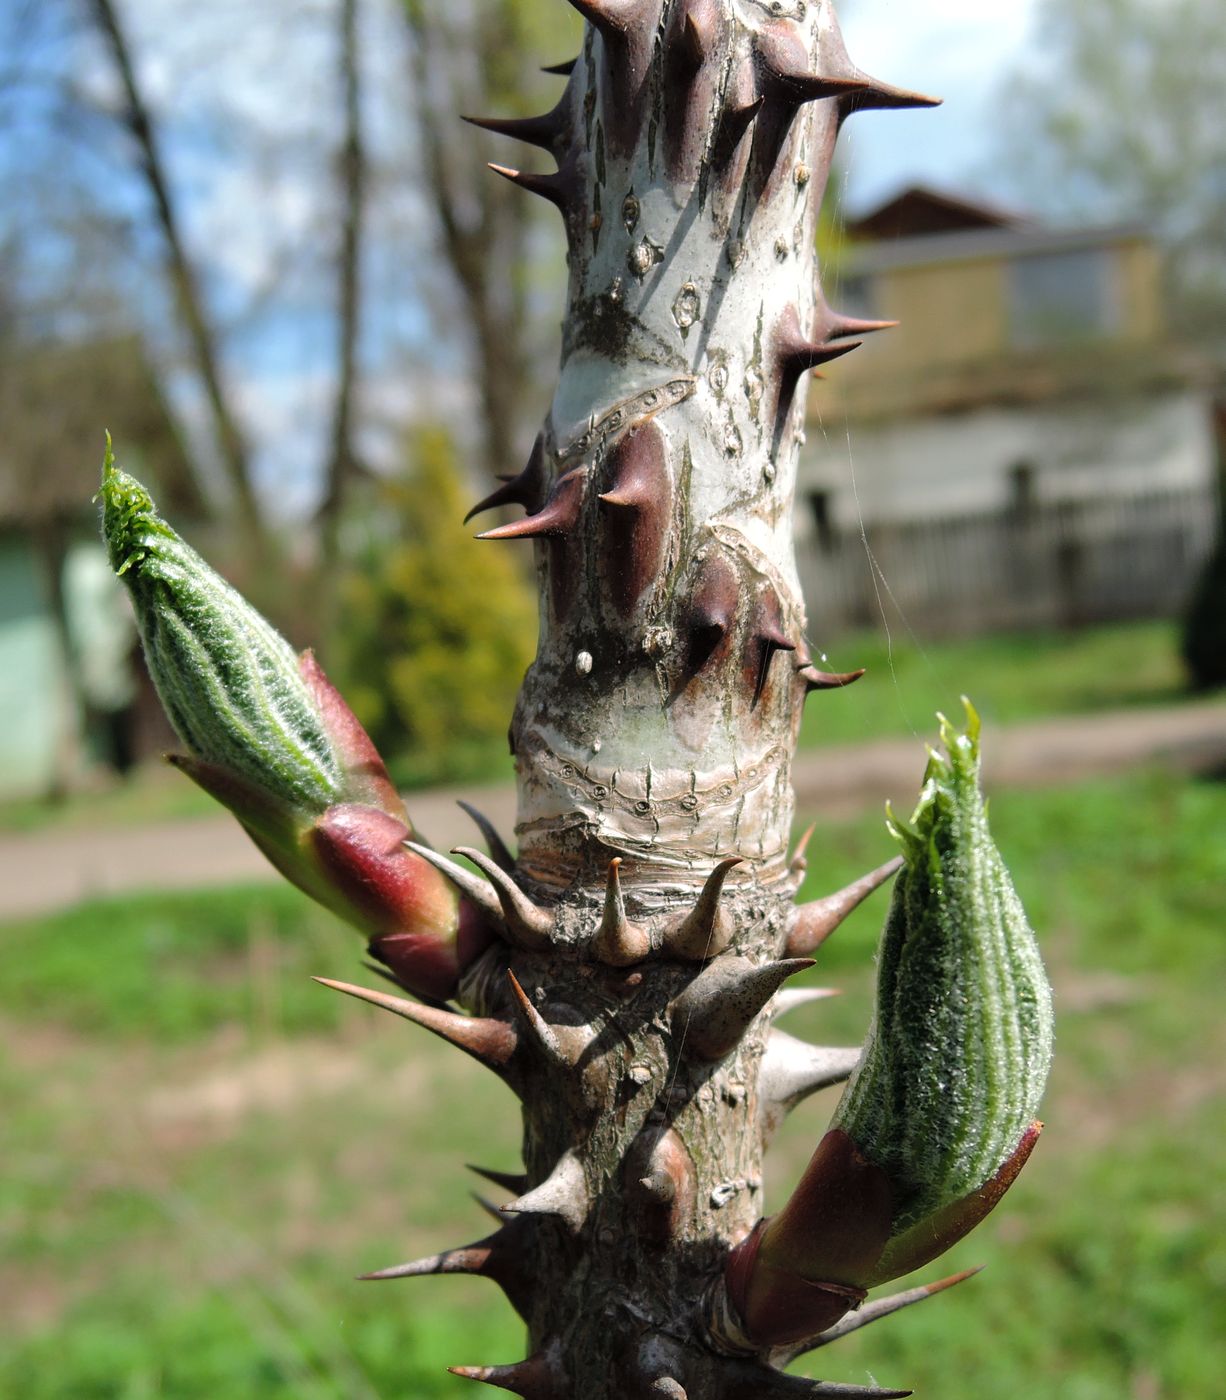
[342,463]
[466,57]
[196,323]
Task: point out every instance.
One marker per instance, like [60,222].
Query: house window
[854,296]
[819,504]
[1023,490]
[1055,298]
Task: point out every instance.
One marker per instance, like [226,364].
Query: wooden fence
[1058,565]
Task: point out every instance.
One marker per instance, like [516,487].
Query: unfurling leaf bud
[939,1116]
[270,738]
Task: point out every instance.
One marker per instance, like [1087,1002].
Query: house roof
[920,211]
[925,225]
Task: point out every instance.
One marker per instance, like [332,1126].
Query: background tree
[1119,116]
[467,58]
[436,629]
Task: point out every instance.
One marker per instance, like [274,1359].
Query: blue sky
[960,50]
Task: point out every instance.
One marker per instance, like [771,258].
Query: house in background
[70,694]
[1026,448]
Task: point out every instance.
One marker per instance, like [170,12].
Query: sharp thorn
[527,924]
[468,1259]
[549,187]
[611,17]
[749,1380]
[532,1379]
[563,69]
[557,516]
[707,929]
[618,942]
[827,680]
[543,131]
[719,1005]
[563,1194]
[497,846]
[733,125]
[515,1182]
[491,1041]
[527,488]
[873,96]
[540,1030]
[694,40]
[799,862]
[878,1308]
[816,921]
[802,355]
[792,1070]
[475,890]
[840,327]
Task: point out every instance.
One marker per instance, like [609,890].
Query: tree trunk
[342,456]
[187,294]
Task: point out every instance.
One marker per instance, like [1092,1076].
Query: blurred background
[255,243]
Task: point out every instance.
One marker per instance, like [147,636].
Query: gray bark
[650,907]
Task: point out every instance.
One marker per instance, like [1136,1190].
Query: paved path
[50,870]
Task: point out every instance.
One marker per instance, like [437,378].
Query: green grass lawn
[201,1148]
[1010,677]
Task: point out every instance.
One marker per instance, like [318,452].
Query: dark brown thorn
[659,1171]
[878,1308]
[544,131]
[468,1259]
[474,889]
[542,1033]
[558,516]
[767,637]
[733,125]
[618,942]
[533,1379]
[840,327]
[491,1041]
[711,612]
[750,1380]
[515,1182]
[814,87]
[707,929]
[827,680]
[816,921]
[527,924]
[768,643]
[550,187]
[694,41]
[800,861]
[497,846]
[563,1194]
[873,96]
[611,17]
[563,69]
[719,1005]
[800,355]
[528,489]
